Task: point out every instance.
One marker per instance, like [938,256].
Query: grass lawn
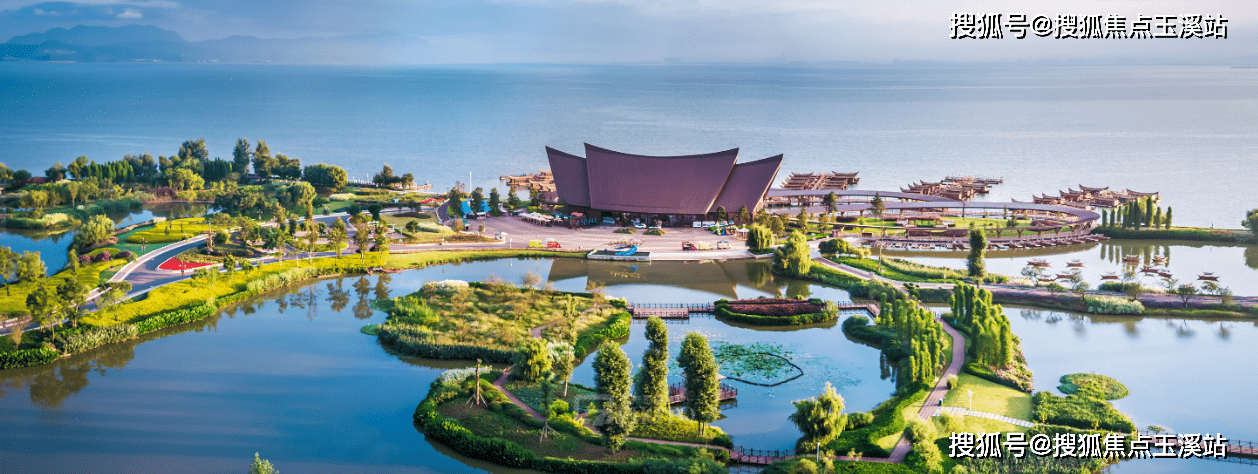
[499,317]
[13,301]
[990,397]
[169,231]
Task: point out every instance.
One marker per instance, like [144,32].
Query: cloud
[129,14]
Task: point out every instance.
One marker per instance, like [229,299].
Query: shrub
[96,337]
[625,230]
[103,256]
[859,419]
[654,232]
[27,358]
[1112,305]
[953,381]
[1085,409]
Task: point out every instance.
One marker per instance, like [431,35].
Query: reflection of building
[720,278]
[674,189]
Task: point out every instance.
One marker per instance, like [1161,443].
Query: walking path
[990,416]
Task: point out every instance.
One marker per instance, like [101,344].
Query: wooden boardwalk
[677,393]
[668,310]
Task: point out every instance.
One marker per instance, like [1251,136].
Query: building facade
[675,190]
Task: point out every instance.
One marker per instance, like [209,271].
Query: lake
[290,376]
[1187,132]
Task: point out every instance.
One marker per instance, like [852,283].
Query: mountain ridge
[132,43]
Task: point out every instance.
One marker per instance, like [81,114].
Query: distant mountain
[150,43]
[377,48]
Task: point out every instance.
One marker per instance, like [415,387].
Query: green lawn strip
[169,231]
[186,292]
[990,397]
[871,265]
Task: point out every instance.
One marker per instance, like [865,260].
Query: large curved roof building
[688,185]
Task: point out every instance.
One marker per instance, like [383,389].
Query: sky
[617,31]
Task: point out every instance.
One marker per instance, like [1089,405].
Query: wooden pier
[668,310]
[677,393]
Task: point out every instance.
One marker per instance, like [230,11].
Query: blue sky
[495,31]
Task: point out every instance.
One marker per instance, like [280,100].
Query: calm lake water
[1186,131]
[1186,375]
[290,376]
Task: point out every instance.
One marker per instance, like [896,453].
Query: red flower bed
[774,307]
[176,264]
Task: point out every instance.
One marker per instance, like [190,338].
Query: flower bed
[177,264]
[775,307]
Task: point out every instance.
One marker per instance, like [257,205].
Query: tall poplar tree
[611,378]
[703,390]
[652,386]
[978,251]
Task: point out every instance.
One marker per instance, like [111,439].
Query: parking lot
[662,247]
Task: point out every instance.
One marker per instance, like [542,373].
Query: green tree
[325,176]
[263,163]
[8,265]
[532,361]
[974,262]
[652,385]
[43,305]
[562,365]
[513,200]
[382,241]
[1167,220]
[702,387]
[1148,211]
[744,216]
[777,225]
[835,247]
[72,259]
[375,208]
[77,167]
[183,179]
[362,236]
[794,258]
[241,155]
[495,201]
[1186,292]
[262,466]
[831,201]
[338,236]
[611,378]
[30,267]
[877,207]
[97,229]
[72,295]
[820,418]
[1250,222]
[759,238]
[721,215]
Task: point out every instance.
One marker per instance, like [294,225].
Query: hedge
[27,358]
[723,312]
[616,327]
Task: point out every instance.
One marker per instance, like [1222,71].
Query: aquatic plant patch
[1111,389]
[762,362]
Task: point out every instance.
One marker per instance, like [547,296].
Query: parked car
[639,226]
[552,244]
[704,246]
[687,246]
[656,227]
[724,244]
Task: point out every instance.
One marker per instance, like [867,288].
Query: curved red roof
[687,184]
